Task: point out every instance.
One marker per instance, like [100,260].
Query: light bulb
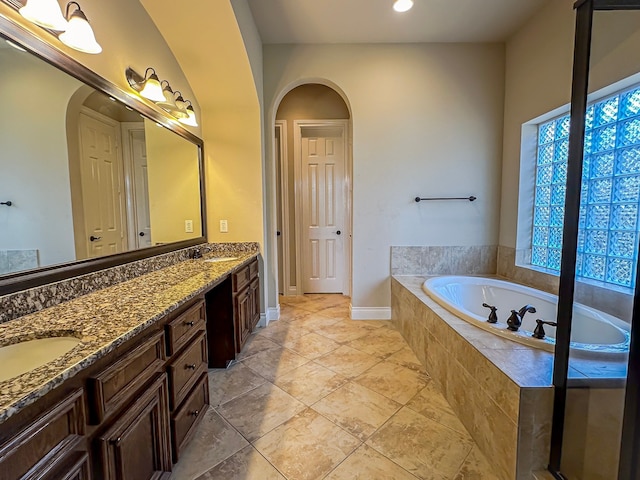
[402,5]
[79,34]
[45,13]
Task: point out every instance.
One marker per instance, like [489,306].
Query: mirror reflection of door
[102,185]
[137,182]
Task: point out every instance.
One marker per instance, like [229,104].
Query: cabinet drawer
[241,278]
[182,328]
[118,383]
[45,444]
[187,417]
[77,468]
[186,369]
[253,269]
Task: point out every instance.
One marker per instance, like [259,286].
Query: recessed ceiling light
[402,5]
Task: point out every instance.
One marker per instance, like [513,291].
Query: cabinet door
[242,317]
[255,304]
[137,445]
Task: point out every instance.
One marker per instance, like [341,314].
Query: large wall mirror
[85,177]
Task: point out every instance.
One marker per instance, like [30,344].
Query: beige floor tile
[476,467]
[307,447]
[393,381]
[406,358]
[430,403]
[255,344]
[375,323]
[260,410]
[421,446]
[314,321]
[310,382]
[367,464]
[338,312]
[214,441]
[348,361]
[247,464]
[281,332]
[343,332]
[357,409]
[312,345]
[226,384]
[317,302]
[272,363]
[293,314]
[380,343]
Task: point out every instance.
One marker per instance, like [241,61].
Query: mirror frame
[18,281]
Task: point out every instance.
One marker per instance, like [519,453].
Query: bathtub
[593,332]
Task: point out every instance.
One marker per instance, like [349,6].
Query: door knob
[278,233]
[94,239]
[339,232]
[141,234]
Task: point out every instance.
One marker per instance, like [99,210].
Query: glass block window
[609,226]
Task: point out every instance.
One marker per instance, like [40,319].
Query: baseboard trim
[273,313]
[370,313]
[263,320]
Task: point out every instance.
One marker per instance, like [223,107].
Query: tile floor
[318,396]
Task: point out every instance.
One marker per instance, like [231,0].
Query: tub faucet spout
[525,309]
[514,321]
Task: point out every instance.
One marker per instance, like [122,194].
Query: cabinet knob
[189,324]
[190,366]
[195,413]
[116,441]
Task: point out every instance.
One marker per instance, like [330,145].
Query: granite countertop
[104,320]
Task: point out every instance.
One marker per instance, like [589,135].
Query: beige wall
[34,161]
[427,120]
[173,176]
[306,102]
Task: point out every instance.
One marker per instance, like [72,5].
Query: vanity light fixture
[45,13]
[148,86]
[79,34]
[191,119]
[402,5]
[169,102]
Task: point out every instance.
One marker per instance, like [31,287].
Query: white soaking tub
[592,331]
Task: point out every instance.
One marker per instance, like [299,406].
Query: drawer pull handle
[116,441]
[189,324]
[195,413]
[190,366]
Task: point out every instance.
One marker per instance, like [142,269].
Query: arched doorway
[313,191]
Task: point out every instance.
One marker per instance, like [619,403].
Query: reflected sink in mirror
[25,356]
[221,259]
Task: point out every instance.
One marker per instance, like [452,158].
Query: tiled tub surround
[107,318]
[501,390]
[21,303]
[443,260]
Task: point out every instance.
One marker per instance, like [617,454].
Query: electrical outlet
[224,226]
[188,226]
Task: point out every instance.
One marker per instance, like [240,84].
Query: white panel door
[102,180]
[141,188]
[323,205]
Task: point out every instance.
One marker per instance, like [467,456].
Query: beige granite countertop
[103,320]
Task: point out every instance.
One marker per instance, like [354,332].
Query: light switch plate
[224,226]
[188,226]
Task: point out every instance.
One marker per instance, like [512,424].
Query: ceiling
[374,21]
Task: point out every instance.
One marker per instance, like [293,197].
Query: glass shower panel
[607,253]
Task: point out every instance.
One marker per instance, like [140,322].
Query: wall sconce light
[148,87]
[161,93]
[191,119]
[79,34]
[402,5]
[45,13]
[169,103]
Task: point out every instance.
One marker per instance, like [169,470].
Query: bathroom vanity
[124,402]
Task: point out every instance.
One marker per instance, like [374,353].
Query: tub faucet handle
[493,317]
[539,331]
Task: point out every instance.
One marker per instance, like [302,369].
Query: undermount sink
[25,356]
[221,259]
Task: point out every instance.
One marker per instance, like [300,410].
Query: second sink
[221,259]
[23,357]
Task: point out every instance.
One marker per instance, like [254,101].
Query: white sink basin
[23,357]
[221,259]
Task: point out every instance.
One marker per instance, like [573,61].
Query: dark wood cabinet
[46,444]
[189,414]
[232,311]
[137,445]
